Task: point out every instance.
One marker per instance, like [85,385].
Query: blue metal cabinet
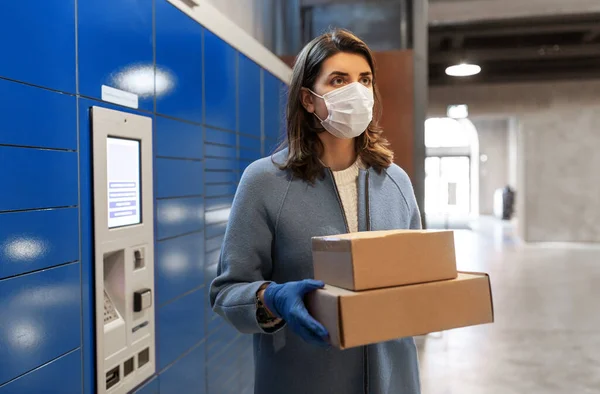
[187,375]
[54,125]
[219,137]
[178,216]
[37,179]
[220,82]
[271,108]
[220,190]
[178,139]
[115,48]
[220,177]
[180,326]
[38,45]
[178,178]
[215,230]
[249,97]
[40,319]
[150,387]
[60,376]
[34,240]
[283,98]
[224,350]
[179,64]
[250,143]
[179,266]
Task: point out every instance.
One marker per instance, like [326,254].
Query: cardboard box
[373,316]
[378,259]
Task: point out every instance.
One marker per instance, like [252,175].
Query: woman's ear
[306,98]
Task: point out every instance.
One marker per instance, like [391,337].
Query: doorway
[448,185]
[451,173]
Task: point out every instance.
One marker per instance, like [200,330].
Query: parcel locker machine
[123,250]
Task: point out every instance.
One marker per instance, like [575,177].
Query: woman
[335,176]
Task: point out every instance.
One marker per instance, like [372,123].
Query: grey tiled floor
[546,338]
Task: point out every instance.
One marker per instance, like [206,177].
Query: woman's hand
[286,301]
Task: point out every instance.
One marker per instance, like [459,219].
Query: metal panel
[37,48]
[151,387]
[178,139]
[220,151]
[186,375]
[221,164]
[271,145]
[223,369]
[180,326]
[211,265]
[215,230]
[283,94]
[178,178]
[44,310]
[86,236]
[220,190]
[34,240]
[214,243]
[249,97]
[248,156]
[53,126]
[214,322]
[220,83]
[42,178]
[271,105]
[115,48]
[179,63]
[220,177]
[179,266]
[124,251]
[220,210]
[250,142]
[220,137]
[179,216]
[60,376]
[220,342]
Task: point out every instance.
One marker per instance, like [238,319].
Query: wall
[255,17]
[395,80]
[493,173]
[214,111]
[557,187]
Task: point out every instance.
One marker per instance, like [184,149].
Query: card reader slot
[112,377]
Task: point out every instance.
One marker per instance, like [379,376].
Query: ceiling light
[463,70]
[458,111]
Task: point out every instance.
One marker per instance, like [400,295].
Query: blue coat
[268,238]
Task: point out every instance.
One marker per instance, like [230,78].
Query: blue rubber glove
[286,301]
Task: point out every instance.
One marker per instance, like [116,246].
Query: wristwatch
[263,316]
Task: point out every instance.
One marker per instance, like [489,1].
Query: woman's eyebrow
[344,74]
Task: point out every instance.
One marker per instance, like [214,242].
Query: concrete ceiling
[513,40]
[524,49]
[465,11]
[461,11]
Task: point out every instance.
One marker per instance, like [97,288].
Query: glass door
[447,185]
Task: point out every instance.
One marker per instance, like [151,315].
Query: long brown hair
[303,143]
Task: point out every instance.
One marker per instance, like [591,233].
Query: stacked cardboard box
[384,285]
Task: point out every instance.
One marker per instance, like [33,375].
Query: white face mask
[350,110]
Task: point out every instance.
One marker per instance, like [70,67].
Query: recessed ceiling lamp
[463,70]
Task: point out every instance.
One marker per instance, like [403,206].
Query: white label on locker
[120,97]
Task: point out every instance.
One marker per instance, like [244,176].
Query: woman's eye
[337,81]
[366,81]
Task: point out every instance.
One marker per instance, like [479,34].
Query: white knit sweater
[347,184]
